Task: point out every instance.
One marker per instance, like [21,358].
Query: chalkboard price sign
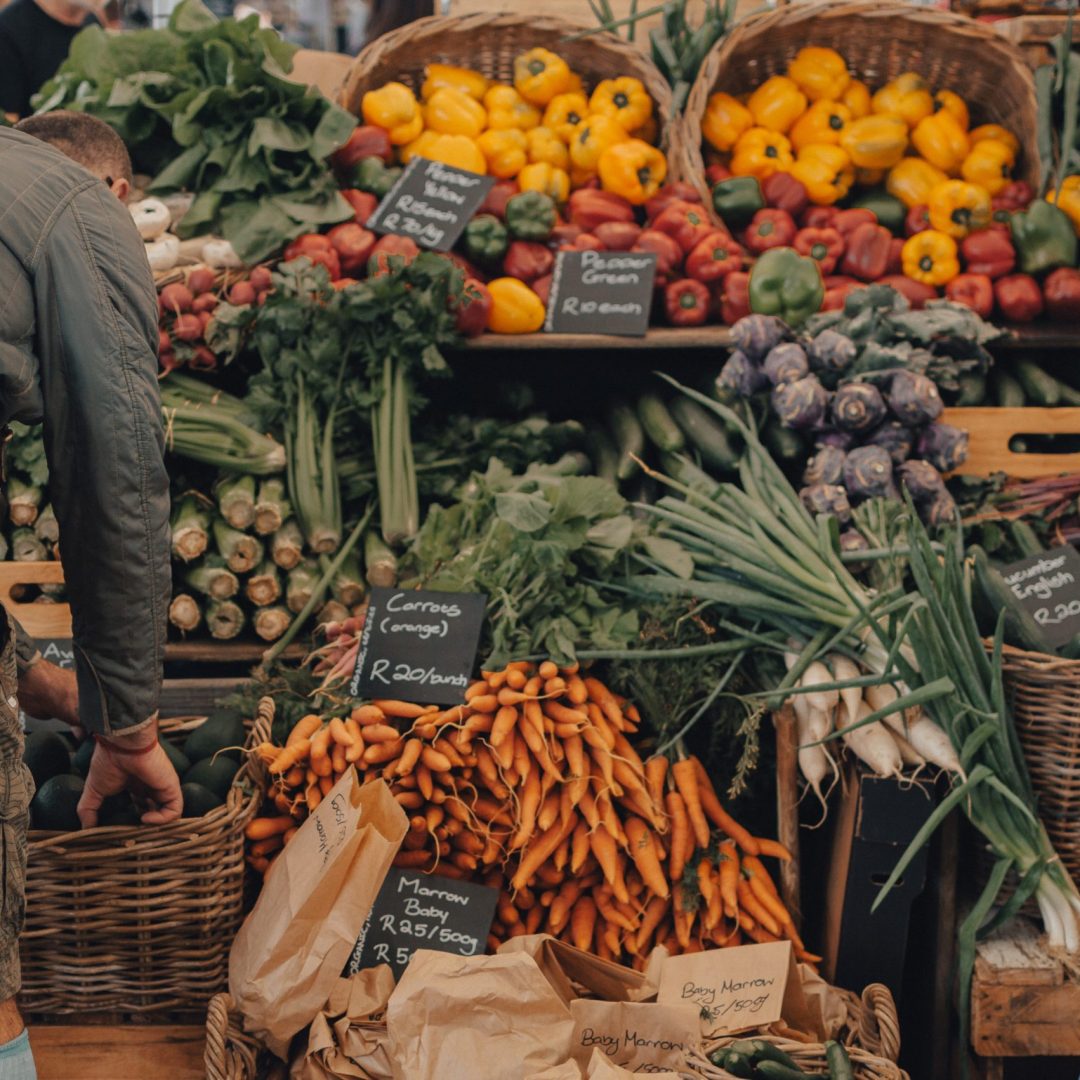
[423,911]
[418,645]
[431,203]
[58,651]
[1048,586]
[601,292]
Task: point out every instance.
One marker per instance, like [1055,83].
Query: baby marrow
[1041,388]
[1008,393]
[706,432]
[839,1063]
[602,454]
[629,439]
[972,389]
[661,429]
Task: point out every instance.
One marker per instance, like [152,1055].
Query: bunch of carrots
[533,787]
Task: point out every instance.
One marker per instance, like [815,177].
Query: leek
[264,586]
[300,584]
[184,613]
[24,501]
[26,547]
[225,619]
[287,546]
[271,507]
[213,579]
[379,561]
[271,622]
[46,528]
[190,529]
[235,497]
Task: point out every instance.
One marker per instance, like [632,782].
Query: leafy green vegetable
[204,106]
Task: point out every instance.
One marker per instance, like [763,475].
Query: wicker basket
[488,42]
[137,919]
[230,1054]
[879,40]
[809,1057]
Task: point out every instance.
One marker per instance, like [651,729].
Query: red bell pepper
[835,297]
[1019,297]
[713,257]
[735,297]
[868,244]
[669,255]
[895,265]
[1062,292]
[716,172]
[687,223]
[362,202]
[387,247]
[847,221]
[989,252]
[528,260]
[975,291]
[1016,195]
[783,192]
[564,233]
[676,191]
[834,281]
[318,249]
[365,141]
[769,229]
[502,191]
[915,291]
[686,302]
[588,208]
[474,304]
[586,241]
[542,287]
[818,217]
[825,245]
[617,235]
[917,220]
[353,244]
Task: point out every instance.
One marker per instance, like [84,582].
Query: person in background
[387,15]
[35,36]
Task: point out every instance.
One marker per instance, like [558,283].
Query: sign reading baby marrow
[1047,585]
[418,645]
[601,292]
[431,203]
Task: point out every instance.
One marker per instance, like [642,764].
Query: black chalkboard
[601,292]
[418,645]
[431,203]
[423,911]
[1048,586]
[58,651]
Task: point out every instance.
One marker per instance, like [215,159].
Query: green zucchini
[1041,388]
[629,438]
[993,595]
[602,454]
[972,389]
[838,1061]
[763,1050]
[773,1070]
[738,1064]
[659,426]
[1008,393]
[706,432]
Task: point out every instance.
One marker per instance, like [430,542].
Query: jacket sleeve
[96,312]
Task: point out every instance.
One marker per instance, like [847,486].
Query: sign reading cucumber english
[1047,586]
[418,645]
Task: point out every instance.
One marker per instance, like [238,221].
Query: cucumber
[972,389]
[763,1050]
[602,454]
[838,1061]
[773,1070]
[993,595]
[1008,393]
[659,426]
[1025,538]
[1041,388]
[629,438]
[1069,396]
[738,1064]
[706,432]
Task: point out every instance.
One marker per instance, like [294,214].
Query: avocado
[54,805]
[215,775]
[46,755]
[119,810]
[222,728]
[80,760]
[197,800]
[179,759]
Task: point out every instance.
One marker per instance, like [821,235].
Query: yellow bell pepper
[1068,199]
[564,112]
[957,208]
[825,171]
[515,308]
[724,121]
[450,112]
[592,137]
[930,257]
[419,147]
[946,99]
[394,108]
[989,164]
[760,152]
[942,141]
[912,180]
[540,75]
[906,96]
[821,74]
[625,99]
[576,85]
[823,122]
[857,98]
[544,145]
[633,169]
[457,150]
[777,103]
[505,150]
[465,80]
[551,180]
[997,133]
[875,142]
[506,108]
[869,177]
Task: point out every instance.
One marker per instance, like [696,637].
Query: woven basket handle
[260,733]
[880,1005]
[215,1057]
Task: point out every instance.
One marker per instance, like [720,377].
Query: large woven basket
[138,919]
[810,1057]
[230,1053]
[488,43]
[879,40]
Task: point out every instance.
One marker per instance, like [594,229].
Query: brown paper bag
[570,970]
[635,1035]
[293,946]
[475,1018]
[601,1068]
[568,1070]
[348,1038]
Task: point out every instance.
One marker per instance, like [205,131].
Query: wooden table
[130,1052]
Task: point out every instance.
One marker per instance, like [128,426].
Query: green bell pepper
[485,239]
[1044,238]
[889,210]
[737,200]
[375,176]
[785,283]
[530,215]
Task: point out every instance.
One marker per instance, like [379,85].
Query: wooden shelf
[1040,335]
[226,652]
[90,1052]
[660,337]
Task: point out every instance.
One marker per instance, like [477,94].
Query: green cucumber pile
[760,1058]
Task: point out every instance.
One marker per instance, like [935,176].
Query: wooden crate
[1032,34]
[991,428]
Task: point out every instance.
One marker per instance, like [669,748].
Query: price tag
[1048,586]
[58,651]
[418,645]
[431,203]
[601,292]
[423,911]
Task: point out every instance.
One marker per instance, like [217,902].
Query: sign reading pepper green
[1047,585]
[601,292]
[431,203]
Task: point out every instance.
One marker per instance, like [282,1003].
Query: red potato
[243,292]
[187,328]
[202,280]
[177,297]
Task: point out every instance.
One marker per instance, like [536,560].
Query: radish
[177,298]
[871,743]
[844,669]
[188,327]
[824,700]
[243,292]
[815,762]
[261,278]
[202,280]
[929,740]
[206,301]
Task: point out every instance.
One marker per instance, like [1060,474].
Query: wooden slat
[39,620]
[990,429]
[64,1052]
[660,337]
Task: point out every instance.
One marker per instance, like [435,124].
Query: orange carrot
[729,877]
[602,844]
[411,859]
[261,828]
[368,714]
[768,900]
[436,761]
[537,853]
[527,811]
[339,733]
[579,847]
[686,781]
[680,832]
[583,922]
[337,758]
[643,854]
[505,719]
[718,815]
[655,773]
[773,848]
[562,906]
[291,755]
[380,733]
[381,753]
[401,710]
[356,749]
[753,907]
[610,912]
[576,690]
[515,679]
[547,670]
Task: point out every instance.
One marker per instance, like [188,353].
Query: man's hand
[47,691]
[138,763]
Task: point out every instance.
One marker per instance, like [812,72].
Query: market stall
[645,481]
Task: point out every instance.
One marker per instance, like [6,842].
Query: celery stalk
[190,525]
[271,622]
[300,584]
[348,585]
[26,547]
[332,611]
[287,545]
[225,619]
[264,586]
[213,579]
[271,507]
[235,497]
[24,501]
[240,551]
[46,528]
[184,613]
[380,562]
